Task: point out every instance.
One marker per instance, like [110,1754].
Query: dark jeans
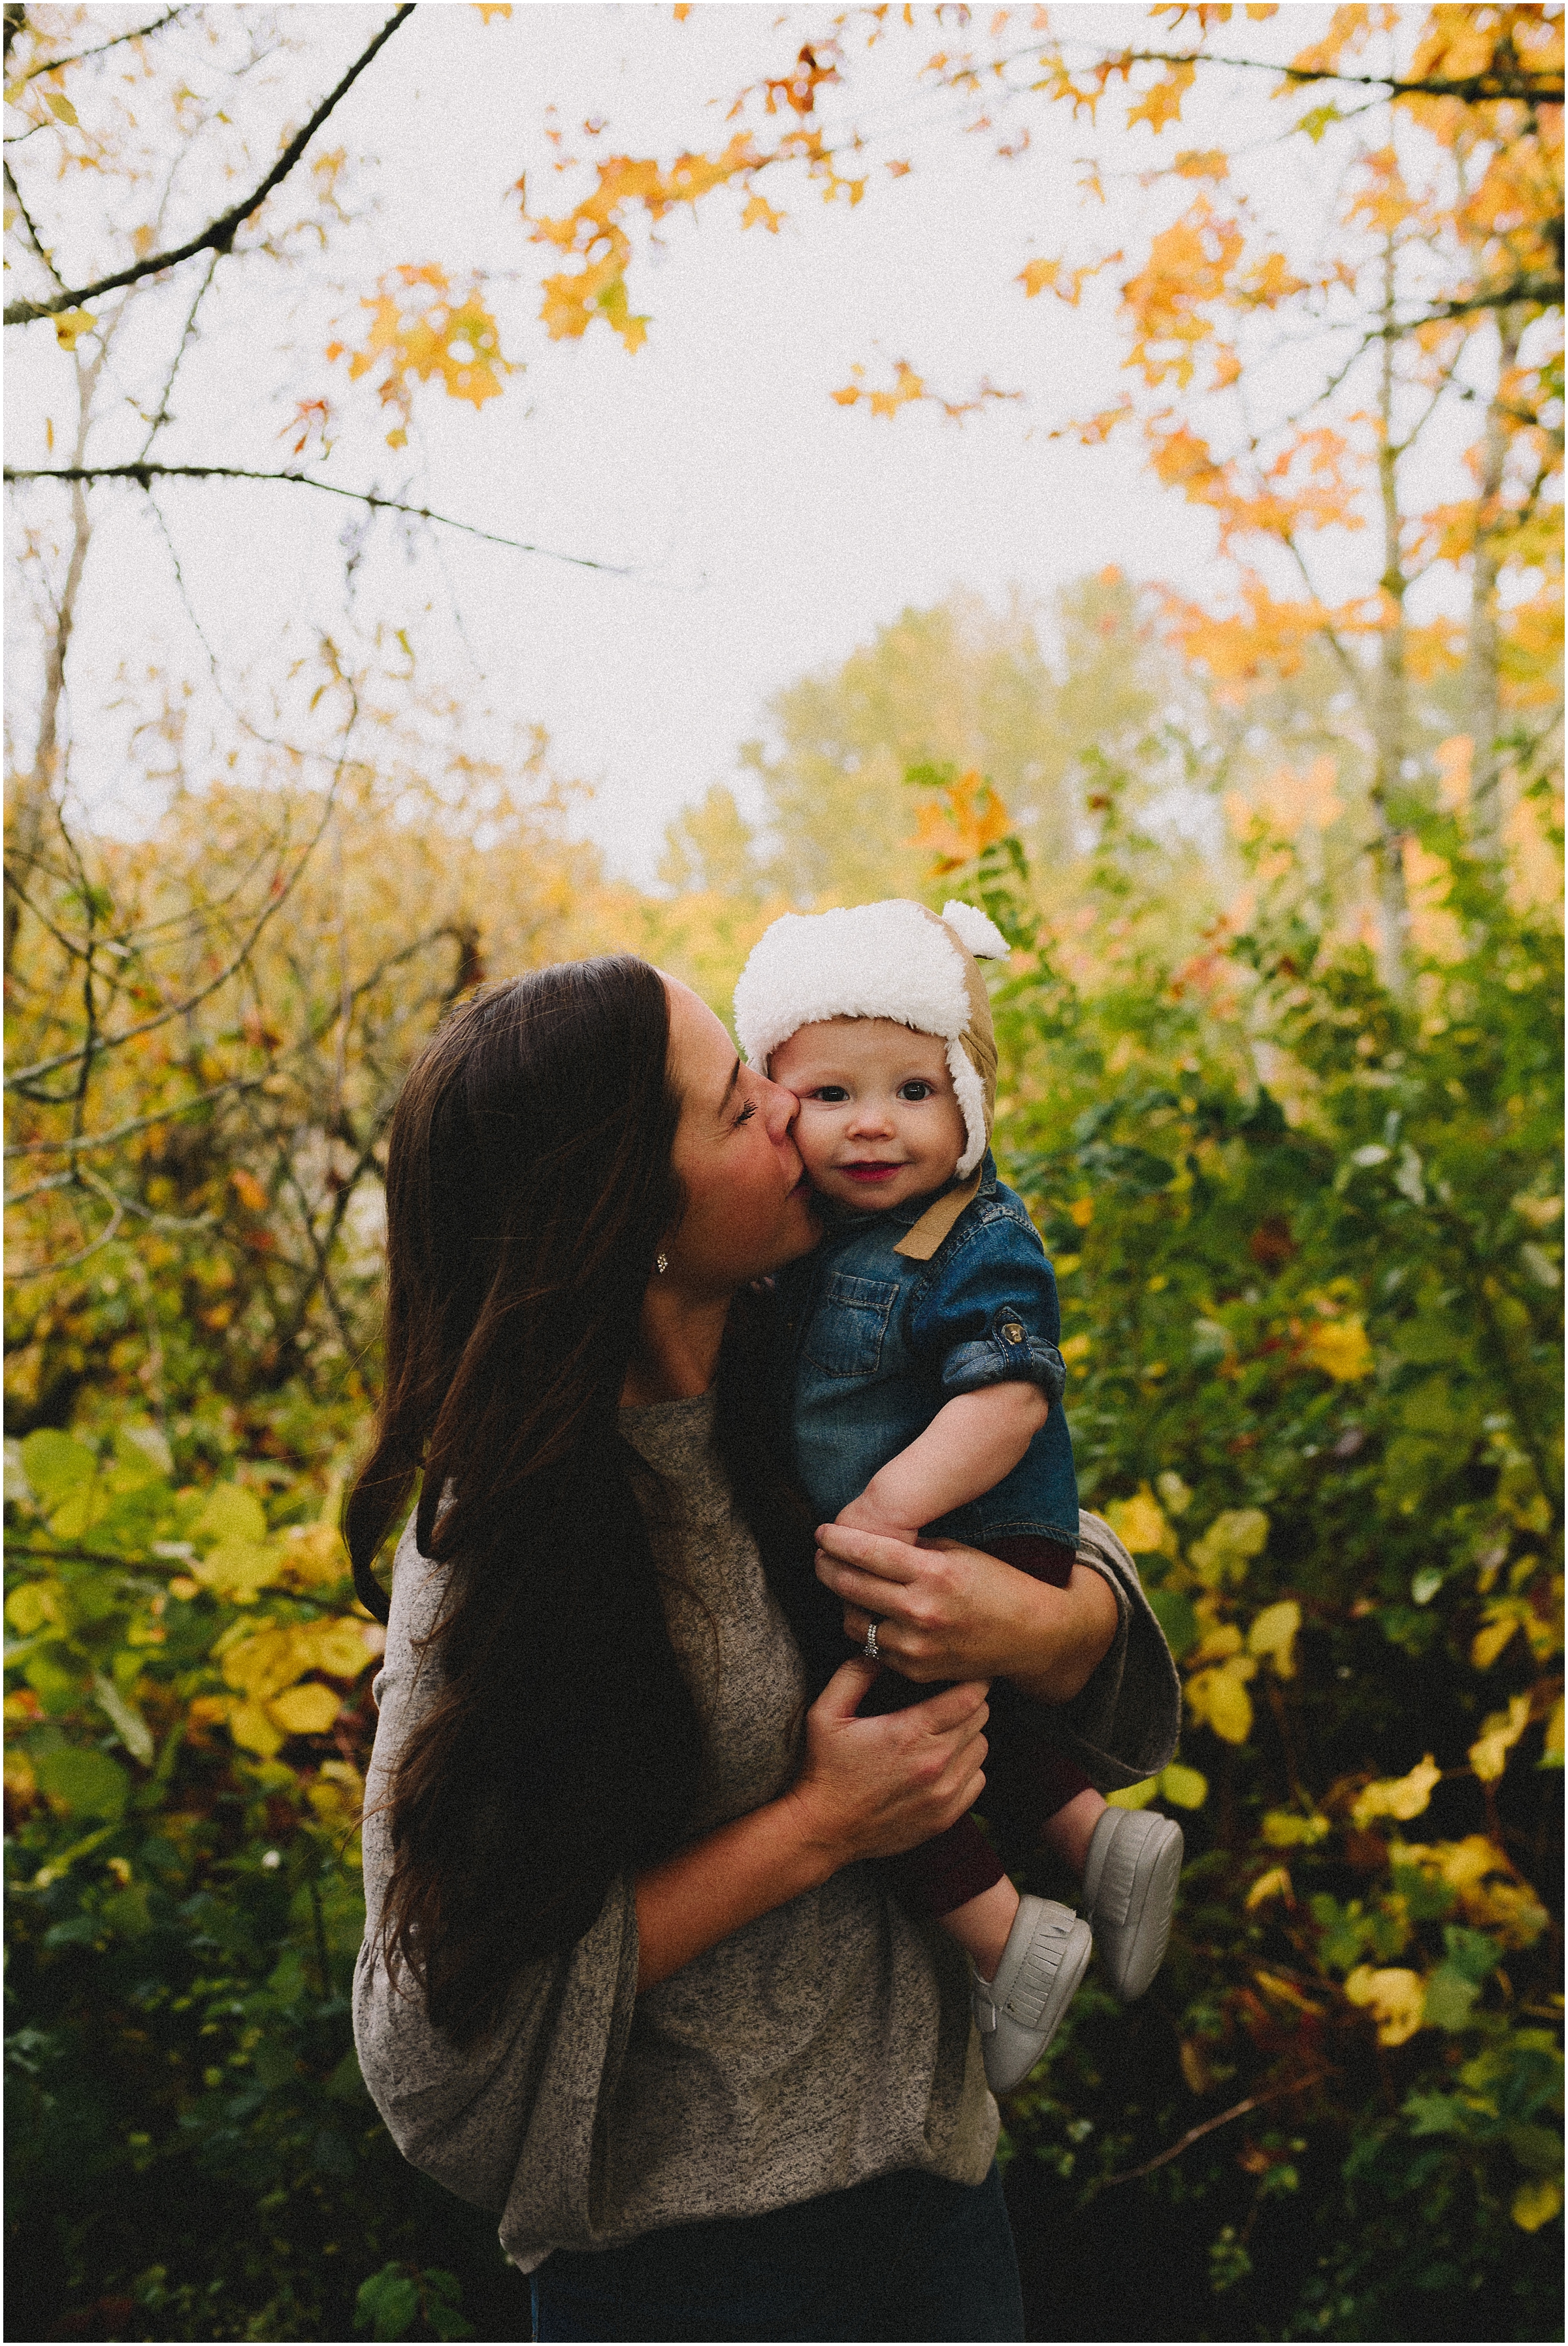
[903,2257]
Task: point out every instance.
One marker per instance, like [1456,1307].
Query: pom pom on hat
[894,960]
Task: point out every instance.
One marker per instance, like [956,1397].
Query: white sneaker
[1019,2011]
[1129,1894]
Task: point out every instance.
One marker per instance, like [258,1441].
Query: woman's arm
[869,1788]
[946,1611]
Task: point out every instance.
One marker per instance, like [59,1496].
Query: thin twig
[218,236]
[1196,2134]
[142,474]
[79,56]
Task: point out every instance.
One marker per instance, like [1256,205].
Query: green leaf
[1449,1997]
[56,1463]
[143,1455]
[1316,121]
[387,2305]
[88,1783]
[1173,1609]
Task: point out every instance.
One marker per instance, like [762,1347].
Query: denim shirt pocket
[850,1325]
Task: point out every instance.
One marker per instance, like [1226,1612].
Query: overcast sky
[767,530]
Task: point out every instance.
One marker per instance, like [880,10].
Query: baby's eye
[916,1088]
[830,1094]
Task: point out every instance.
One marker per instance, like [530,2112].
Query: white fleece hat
[894,960]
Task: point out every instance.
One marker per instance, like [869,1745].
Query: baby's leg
[1065,1807]
[957,1878]
[1068,1831]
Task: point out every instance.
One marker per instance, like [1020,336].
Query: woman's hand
[946,1611]
[870,1788]
[875,1787]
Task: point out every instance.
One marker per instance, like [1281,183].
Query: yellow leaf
[62,109]
[337,1646]
[759,213]
[1082,1212]
[1396,1999]
[1218,1698]
[305,1710]
[1499,1734]
[1140,1524]
[70,326]
[1228,1545]
[1133,1796]
[1499,1622]
[262,1666]
[1275,1883]
[1037,276]
[1194,2067]
[1398,1796]
[1284,1990]
[313,1555]
[1551,1750]
[1184,1787]
[1284,1829]
[253,1730]
[1536,2203]
[1340,1349]
[231,1514]
[488,9]
[1274,1633]
[235,1569]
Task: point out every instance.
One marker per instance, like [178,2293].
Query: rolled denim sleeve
[989,1314]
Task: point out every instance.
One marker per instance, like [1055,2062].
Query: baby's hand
[863,1514]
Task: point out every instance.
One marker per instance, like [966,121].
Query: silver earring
[661,1263]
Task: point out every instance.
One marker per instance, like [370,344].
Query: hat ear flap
[976,930]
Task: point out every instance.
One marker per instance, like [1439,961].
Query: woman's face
[747,1204]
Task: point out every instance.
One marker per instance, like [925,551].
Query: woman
[631,1976]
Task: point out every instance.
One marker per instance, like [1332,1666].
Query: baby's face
[879,1122]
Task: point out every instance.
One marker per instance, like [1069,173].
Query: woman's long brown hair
[529,1185]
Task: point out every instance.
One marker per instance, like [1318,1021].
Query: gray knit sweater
[825,2042]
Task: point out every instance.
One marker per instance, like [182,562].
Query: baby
[925,1390]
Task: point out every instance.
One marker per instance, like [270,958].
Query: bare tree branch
[79,56]
[142,474]
[80,1143]
[285,889]
[218,236]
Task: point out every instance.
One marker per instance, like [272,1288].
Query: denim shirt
[876,1343]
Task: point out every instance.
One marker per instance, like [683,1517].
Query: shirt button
[1012,1333]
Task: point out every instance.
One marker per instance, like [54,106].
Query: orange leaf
[1162,103]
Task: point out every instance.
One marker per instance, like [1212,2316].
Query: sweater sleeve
[514,2122]
[1122,1726]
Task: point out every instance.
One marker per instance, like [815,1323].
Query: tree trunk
[34,795]
[1391,702]
[1480,658]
